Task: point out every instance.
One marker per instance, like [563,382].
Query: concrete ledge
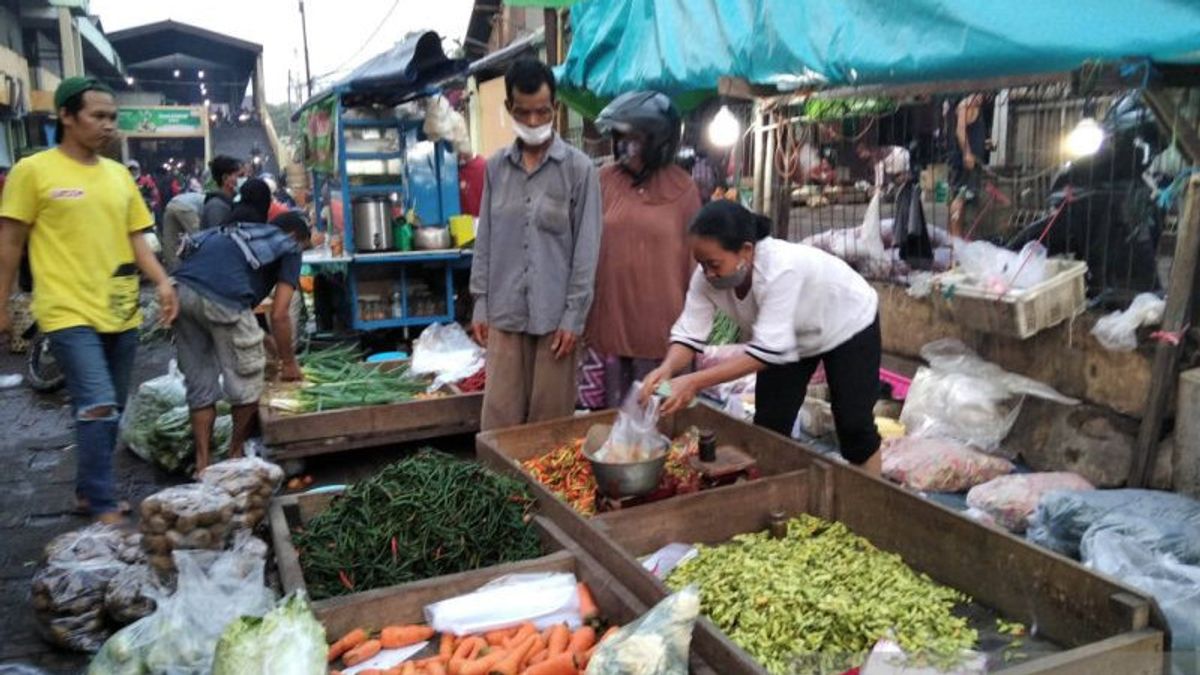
[1066,356]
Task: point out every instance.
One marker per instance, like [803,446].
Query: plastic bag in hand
[635,436]
[1155,556]
[447,353]
[179,638]
[1117,332]
[939,465]
[1062,517]
[655,644]
[1010,500]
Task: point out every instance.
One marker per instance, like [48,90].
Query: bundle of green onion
[337,378]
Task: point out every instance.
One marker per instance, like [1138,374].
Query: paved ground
[36,493]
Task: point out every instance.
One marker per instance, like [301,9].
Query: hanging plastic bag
[910,231]
[179,638]
[1062,517]
[655,644]
[544,599]
[1158,557]
[939,465]
[635,436]
[1117,332]
[1009,501]
[447,353]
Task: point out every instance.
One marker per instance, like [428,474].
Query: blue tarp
[679,46]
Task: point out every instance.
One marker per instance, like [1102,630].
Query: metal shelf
[401,323]
[412,256]
[370,156]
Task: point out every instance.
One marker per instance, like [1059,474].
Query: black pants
[852,371]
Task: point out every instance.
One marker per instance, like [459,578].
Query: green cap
[77,85]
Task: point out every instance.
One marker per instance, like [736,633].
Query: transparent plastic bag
[179,638]
[655,644]
[68,589]
[939,465]
[544,599]
[635,436]
[152,398]
[190,516]
[1063,517]
[446,352]
[1000,270]
[1117,332]
[250,482]
[1009,501]
[1158,557]
[130,594]
[964,397]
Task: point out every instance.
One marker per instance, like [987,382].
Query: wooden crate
[404,603]
[296,436]
[503,450]
[1093,621]
[1018,313]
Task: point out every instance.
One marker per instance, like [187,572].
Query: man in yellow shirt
[84,218]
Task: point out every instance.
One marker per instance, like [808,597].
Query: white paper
[663,561]
[887,658]
[544,599]
[386,658]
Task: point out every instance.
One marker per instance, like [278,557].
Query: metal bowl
[627,479]
[431,238]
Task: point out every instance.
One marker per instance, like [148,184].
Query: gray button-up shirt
[534,266]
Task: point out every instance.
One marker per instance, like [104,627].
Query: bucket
[462,230]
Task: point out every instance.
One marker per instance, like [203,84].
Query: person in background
[535,258]
[84,219]
[800,306]
[645,261]
[146,186]
[180,217]
[228,175]
[890,164]
[472,170]
[218,338]
[968,154]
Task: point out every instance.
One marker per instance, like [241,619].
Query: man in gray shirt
[228,174]
[535,259]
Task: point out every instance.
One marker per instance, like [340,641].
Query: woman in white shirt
[800,307]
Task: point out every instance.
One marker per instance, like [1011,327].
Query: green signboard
[180,120]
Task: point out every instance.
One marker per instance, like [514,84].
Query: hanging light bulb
[1085,139]
[129,80]
[724,129]
[176,72]
[201,74]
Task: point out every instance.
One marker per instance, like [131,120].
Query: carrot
[608,633]
[483,665]
[560,637]
[435,668]
[538,657]
[466,651]
[497,638]
[394,637]
[511,663]
[347,642]
[446,648]
[521,635]
[409,668]
[539,646]
[361,653]
[587,604]
[560,664]
[582,640]
[372,671]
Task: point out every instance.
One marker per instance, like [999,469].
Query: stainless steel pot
[431,238]
[372,224]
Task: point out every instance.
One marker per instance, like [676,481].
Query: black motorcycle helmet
[650,114]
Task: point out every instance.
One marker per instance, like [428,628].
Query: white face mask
[533,135]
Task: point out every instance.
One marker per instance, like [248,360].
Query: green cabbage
[288,639]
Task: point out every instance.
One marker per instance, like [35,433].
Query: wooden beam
[1176,318]
[1181,128]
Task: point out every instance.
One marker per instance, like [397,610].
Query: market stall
[385,188]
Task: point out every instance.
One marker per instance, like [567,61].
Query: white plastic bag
[635,436]
[179,638]
[544,599]
[999,269]
[446,352]
[1010,500]
[655,644]
[963,397]
[1117,332]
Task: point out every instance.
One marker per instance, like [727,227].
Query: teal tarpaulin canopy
[679,46]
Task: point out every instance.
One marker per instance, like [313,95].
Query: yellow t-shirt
[80,219]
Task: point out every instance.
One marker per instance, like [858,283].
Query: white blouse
[802,302]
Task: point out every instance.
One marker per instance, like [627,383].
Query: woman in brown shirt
[645,263]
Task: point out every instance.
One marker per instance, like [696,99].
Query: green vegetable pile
[725,330]
[819,599]
[424,516]
[337,378]
[156,425]
[289,639]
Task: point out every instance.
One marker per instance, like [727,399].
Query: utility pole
[307,70]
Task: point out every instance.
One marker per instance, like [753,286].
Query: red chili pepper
[346,581]
[395,554]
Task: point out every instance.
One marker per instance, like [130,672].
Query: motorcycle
[42,370]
